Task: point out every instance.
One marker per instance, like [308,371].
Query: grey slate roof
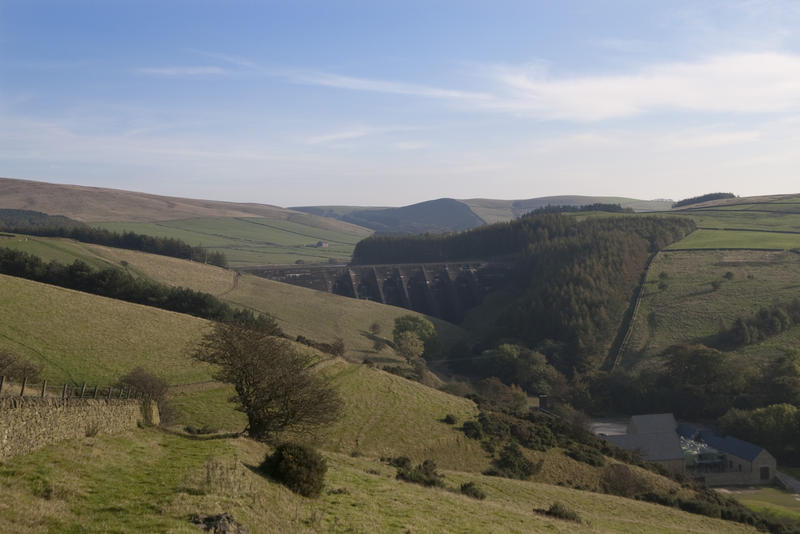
[652,423]
[737,447]
[655,446]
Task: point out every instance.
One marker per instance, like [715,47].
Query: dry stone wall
[27,424]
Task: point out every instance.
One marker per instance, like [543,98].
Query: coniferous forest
[572,284]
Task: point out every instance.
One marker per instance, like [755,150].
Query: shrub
[562,511]
[196,431]
[424,474]
[14,367]
[472,429]
[156,388]
[400,462]
[513,464]
[450,419]
[299,468]
[585,454]
[532,436]
[619,479]
[470,489]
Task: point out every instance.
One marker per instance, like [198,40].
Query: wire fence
[9,388]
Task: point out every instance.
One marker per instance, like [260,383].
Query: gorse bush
[470,489]
[585,454]
[562,511]
[298,467]
[450,419]
[424,474]
[512,463]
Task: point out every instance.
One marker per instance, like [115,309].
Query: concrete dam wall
[445,290]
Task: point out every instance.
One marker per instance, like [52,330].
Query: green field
[299,311]
[717,239]
[248,241]
[52,249]
[770,500]
[149,481]
[688,309]
[80,337]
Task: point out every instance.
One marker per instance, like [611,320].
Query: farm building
[700,453]
[726,461]
[655,437]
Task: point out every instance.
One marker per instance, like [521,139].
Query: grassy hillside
[491,210]
[682,306]
[52,249]
[248,241]
[771,222]
[441,215]
[300,311]
[249,234]
[85,338]
[742,239]
[148,481]
[80,337]
[452,215]
[95,204]
[384,415]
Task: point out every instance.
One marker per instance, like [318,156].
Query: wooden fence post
[109,392]
[64,392]
[121,392]
[2,382]
[83,389]
[94,393]
[44,388]
[22,389]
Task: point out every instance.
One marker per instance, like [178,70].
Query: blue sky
[393,102]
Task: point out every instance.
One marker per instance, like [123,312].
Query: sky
[383,102]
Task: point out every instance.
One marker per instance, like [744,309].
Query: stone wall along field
[27,424]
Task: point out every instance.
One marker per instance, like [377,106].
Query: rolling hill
[451,215]
[154,481]
[299,311]
[149,481]
[248,234]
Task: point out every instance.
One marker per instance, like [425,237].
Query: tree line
[767,322]
[119,284]
[510,239]
[597,206]
[702,198]
[40,224]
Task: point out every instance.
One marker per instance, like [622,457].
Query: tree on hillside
[422,328]
[410,347]
[275,386]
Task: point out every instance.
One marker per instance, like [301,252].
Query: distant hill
[451,215]
[493,211]
[248,234]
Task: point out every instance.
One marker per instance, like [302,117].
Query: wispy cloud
[356,132]
[203,70]
[734,83]
[342,135]
[382,86]
[231,59]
